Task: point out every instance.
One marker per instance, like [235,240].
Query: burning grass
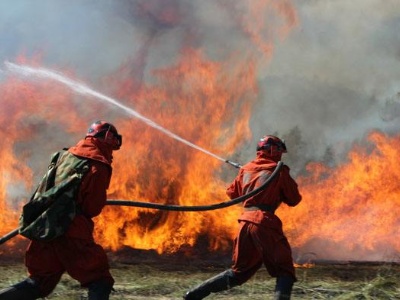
[144,275]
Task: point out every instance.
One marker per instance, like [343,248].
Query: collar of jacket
[93,148]
[264,155]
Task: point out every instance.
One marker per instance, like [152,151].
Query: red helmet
[107,132]
[272,145]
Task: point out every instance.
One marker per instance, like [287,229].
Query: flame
[193,92]
[157,169]
[305,265]
[351,211]
[347,211]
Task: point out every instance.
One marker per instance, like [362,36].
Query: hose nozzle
[235,164]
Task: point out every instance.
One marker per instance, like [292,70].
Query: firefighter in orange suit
[260,239]
[76,252]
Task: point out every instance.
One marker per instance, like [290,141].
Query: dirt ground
[148,276]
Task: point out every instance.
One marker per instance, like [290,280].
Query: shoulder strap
[49,177]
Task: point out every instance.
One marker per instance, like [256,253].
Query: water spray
[87,91]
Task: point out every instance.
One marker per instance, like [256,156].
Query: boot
[25,290]
[220,282]
[283,288]
[99,290]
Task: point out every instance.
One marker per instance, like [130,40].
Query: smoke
[326,75]
[96,38]
[75,34]
[335,77]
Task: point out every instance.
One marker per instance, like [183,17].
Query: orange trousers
[83,260]
[257,244]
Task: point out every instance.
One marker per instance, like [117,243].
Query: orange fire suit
[76,252]
[260,238]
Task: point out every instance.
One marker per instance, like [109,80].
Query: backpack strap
[48,178]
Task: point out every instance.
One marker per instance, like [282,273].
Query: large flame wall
[348,211]
[351,211]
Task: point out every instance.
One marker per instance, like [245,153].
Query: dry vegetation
[148,276]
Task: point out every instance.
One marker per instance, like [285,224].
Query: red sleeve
[234,190]
[289,190]
[93,190]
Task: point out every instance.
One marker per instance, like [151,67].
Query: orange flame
[349,211]
[158,169]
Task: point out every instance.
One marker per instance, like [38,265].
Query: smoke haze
[335,76]
[327,73]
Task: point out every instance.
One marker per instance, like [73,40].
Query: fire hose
[198,207]
[167,207]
